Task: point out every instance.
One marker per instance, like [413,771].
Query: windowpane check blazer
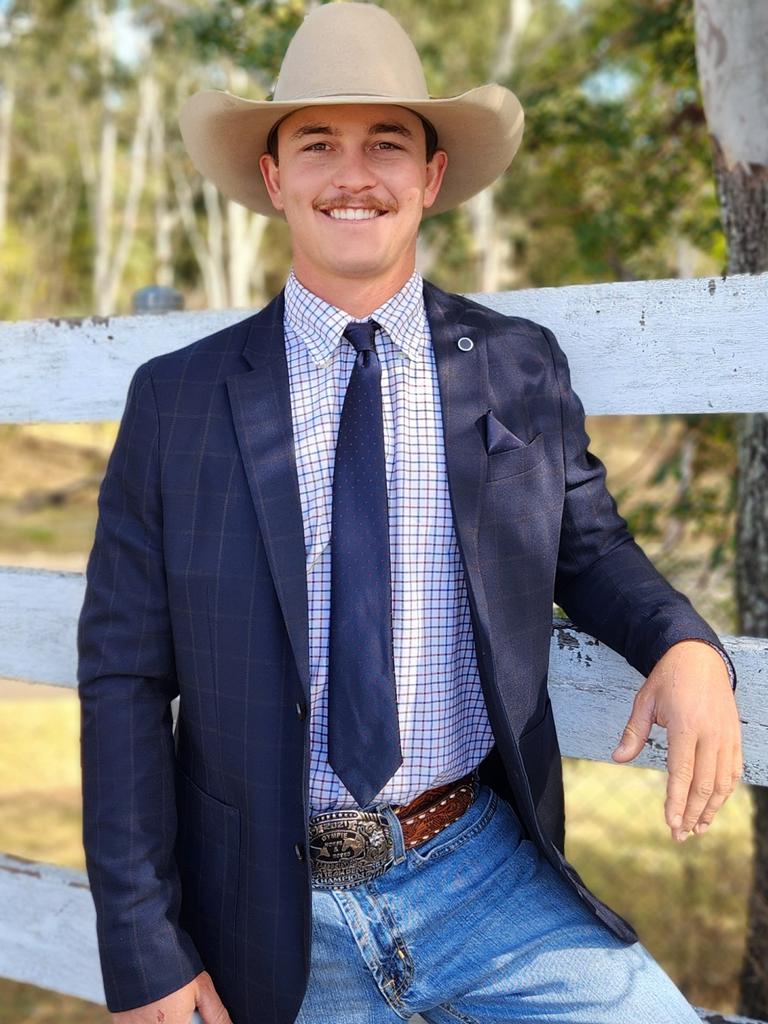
[196,838]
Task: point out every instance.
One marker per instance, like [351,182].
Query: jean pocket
[460,831]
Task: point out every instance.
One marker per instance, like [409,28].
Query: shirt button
[301,710]
[299,850]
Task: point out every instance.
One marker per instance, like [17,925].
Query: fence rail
[696,345]
[643,347]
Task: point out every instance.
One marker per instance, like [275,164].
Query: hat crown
[350,49]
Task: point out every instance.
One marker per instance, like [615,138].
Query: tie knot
[361,334]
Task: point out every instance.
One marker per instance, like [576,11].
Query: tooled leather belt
[350,845]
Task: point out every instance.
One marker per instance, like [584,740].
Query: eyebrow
[380,128]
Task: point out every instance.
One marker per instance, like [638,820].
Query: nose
[353,172]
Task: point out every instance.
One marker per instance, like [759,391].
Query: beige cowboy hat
[351,53]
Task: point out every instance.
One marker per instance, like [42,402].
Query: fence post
[157,298]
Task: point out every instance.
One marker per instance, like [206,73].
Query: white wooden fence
[646,347]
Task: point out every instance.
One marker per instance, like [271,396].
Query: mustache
[345,204]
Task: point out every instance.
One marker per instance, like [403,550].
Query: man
[337,529]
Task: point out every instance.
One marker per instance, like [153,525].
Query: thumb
[209,1005]
[636,731]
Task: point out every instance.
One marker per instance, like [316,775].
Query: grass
[688,902]
[41,818]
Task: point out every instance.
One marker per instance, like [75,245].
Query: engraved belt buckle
[349,846]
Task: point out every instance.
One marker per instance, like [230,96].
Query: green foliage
[616,149]
[614,170]
[252,35]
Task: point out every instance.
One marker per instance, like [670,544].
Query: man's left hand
[689,693]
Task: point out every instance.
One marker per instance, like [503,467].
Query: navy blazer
[196,839]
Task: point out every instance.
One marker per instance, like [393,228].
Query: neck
[356,296]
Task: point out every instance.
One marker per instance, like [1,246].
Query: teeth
[352,214]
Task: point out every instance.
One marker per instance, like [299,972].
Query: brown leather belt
[350,846]
[434,809]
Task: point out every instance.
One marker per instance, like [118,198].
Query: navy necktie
[363,729]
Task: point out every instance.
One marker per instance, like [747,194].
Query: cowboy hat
[351,53]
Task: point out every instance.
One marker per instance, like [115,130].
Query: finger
[210,1006]
[702,788]
[738,760]
[728,774]
[722,788]
[680,762]
[210,1013]
[638,728]
[737,756]
[702,782]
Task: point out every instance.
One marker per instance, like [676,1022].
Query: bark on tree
[732,59]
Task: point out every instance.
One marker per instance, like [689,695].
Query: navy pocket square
[499,438]
[508,455]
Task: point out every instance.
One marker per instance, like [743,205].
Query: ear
[270,172]
[435,174]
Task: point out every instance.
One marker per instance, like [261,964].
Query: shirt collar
[321,324]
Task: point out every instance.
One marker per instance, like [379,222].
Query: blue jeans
[475,926]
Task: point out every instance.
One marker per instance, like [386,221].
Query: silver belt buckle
[349,846]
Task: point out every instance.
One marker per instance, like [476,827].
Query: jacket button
[299,850]
[301,710]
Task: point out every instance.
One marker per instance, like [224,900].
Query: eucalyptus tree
[732,53]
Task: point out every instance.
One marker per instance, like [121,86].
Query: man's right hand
[177,1007]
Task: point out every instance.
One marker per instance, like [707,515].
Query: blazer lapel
[261,409]
[462,373]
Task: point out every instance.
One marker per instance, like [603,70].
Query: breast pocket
[208,859]
[515,461]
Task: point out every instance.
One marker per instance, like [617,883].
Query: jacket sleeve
[604,581]
[126,680]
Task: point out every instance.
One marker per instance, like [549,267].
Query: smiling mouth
[353,215]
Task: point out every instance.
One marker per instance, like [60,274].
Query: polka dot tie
[363,730]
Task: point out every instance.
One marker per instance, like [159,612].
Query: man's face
[333,160]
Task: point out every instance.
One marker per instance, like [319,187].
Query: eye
[312,146]
[385,143]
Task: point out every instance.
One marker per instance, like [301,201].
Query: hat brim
[225,135]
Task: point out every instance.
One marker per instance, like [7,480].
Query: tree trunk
[107,299]
[752,603]
[258,278]
[7,98]
[732,58]
[239,256]
[165,218]
[102,206]
[742,193]
[491,249]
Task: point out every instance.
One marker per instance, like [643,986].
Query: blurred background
[616,180]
